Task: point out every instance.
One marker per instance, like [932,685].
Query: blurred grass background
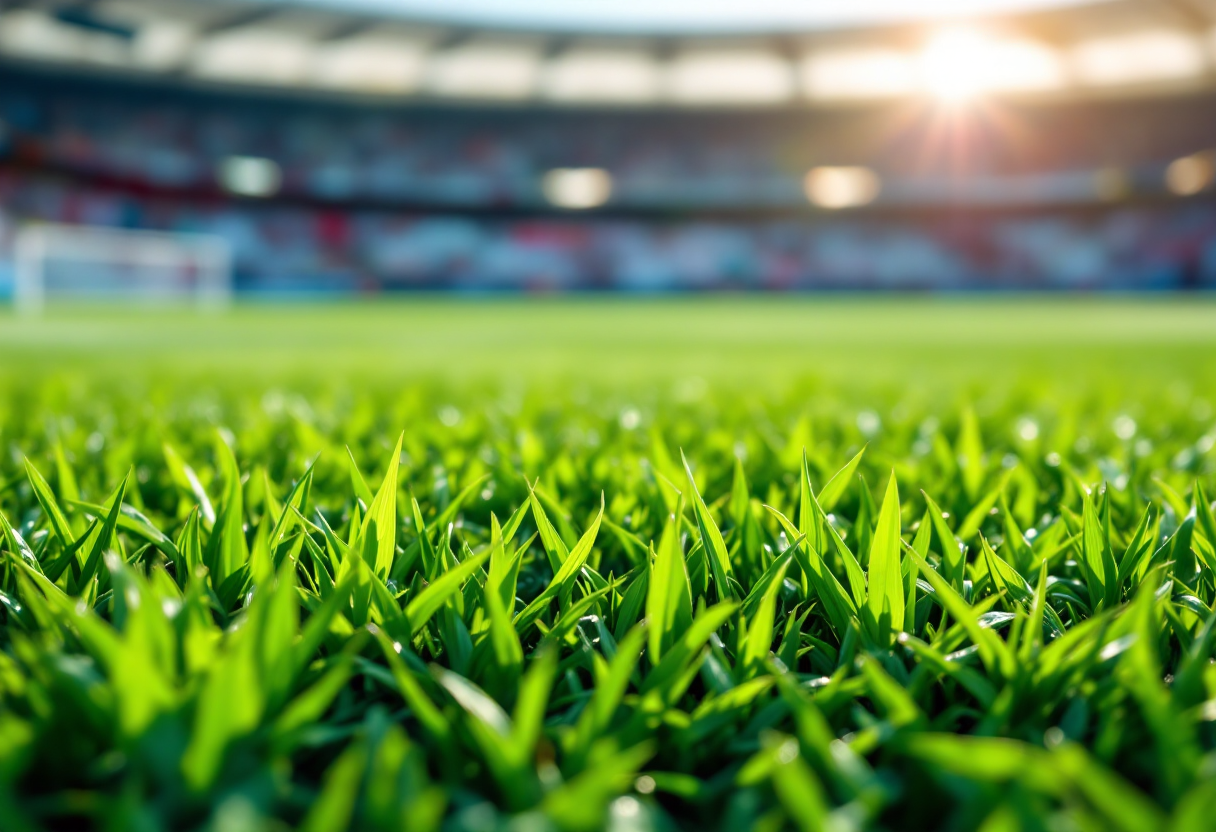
[907,340]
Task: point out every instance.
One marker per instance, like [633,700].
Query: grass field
[730,335]
[674,564]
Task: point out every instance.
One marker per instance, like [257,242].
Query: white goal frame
[209,255]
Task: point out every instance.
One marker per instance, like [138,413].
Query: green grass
[718,564]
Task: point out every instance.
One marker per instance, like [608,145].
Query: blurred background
[196,147]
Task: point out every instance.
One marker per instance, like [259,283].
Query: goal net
[75,262]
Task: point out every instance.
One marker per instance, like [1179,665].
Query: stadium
[351,149]
[540,417]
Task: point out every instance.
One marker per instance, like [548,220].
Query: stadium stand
[340,152]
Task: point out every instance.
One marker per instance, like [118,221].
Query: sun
[952,64]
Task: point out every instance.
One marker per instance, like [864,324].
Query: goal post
[80,262]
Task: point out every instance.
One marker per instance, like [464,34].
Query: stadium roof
[682,17]
[810,54]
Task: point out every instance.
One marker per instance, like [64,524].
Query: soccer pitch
[723,563]
[723,336]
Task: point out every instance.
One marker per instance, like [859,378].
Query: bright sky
[693,15]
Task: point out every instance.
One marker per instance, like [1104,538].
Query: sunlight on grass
[722,564]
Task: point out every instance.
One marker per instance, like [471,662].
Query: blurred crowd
[175,138]
[380,200]
[287,248]
[457,158]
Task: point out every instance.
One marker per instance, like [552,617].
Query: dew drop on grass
[1028,429]
[626,807]
[788,752]
[1124,427]
[868,423]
